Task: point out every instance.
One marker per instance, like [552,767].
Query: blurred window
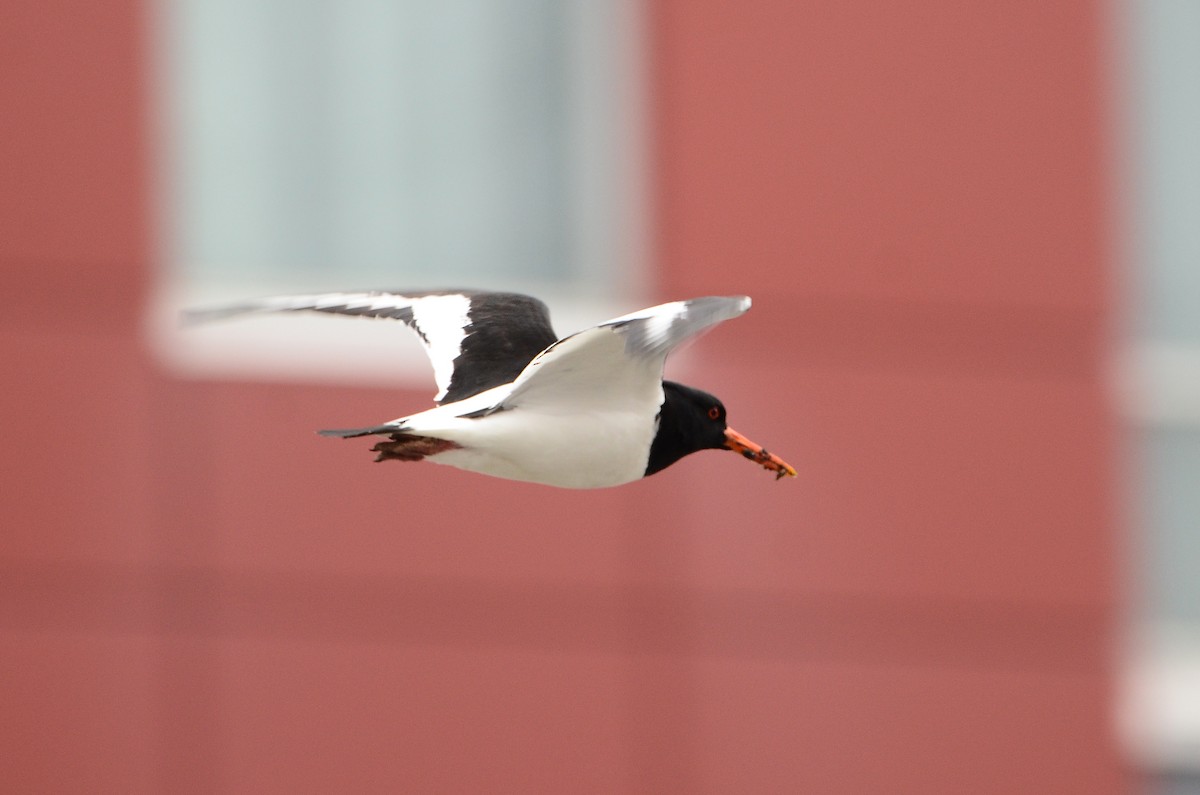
[356,144]
[1162,102]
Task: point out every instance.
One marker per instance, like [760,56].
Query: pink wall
[196,593]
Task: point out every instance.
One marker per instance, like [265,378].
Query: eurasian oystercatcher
[586,411]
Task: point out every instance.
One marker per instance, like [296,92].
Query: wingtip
[352,433]
[733,305]
[194,317]
[198,315]
[736,303]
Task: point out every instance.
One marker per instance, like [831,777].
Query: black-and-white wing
[621,359]
[475,340]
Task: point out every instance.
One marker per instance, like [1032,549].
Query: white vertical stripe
[442,320]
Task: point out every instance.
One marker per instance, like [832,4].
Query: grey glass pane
[1170,495]
[1165,127]
[364,144]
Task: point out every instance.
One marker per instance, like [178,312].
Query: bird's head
[691,420]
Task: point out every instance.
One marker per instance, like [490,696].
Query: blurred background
[972,233]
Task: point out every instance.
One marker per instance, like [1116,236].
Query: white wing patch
[442,320]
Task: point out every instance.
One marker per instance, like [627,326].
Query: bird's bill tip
[740,444]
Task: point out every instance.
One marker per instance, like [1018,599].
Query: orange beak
[740,444]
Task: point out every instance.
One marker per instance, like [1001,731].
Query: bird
[589,410]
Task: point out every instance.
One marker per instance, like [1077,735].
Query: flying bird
[514,401]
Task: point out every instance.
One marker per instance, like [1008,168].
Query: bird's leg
[406,447]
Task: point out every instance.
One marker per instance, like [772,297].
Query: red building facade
[199,595]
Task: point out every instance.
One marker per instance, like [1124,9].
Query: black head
[690,420]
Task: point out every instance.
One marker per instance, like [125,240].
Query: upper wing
[654,332]
[476,340]
[620,361]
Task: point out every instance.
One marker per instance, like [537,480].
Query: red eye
[714,413]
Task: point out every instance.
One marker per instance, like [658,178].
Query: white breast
[585,449]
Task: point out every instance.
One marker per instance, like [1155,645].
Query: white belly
[579,451]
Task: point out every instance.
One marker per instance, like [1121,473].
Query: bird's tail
[401,446]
